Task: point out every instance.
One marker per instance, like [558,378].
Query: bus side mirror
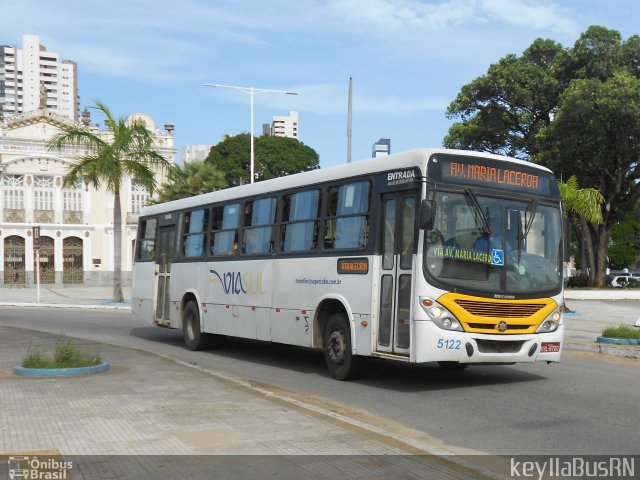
[427,210]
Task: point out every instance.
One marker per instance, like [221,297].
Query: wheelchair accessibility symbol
[497,257]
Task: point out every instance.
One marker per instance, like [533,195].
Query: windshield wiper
[529,215]
[473,201]
[531,210]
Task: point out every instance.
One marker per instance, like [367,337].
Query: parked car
[624,281]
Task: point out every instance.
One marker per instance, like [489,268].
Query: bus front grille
[494,326]
[500,309]
[498,316]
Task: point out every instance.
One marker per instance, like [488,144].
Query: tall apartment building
[285,126]
[31,77]
[189,153]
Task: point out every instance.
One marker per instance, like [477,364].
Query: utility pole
[349,123]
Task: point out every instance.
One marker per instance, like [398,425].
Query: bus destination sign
[484,173]
[493,174]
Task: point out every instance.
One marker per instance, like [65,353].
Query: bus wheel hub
[336,347]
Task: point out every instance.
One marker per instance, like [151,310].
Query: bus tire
[452,366]
[194,339]
[341,362]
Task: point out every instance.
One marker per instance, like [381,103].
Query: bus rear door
[166,251]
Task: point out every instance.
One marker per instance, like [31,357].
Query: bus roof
[400,160]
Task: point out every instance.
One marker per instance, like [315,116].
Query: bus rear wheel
[194,339]
[341,362]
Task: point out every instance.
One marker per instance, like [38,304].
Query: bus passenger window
[195,226]
[147,240]
[259,218]
[348,210]
[300,225]
[224,235]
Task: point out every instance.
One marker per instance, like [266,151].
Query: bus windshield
[487,244]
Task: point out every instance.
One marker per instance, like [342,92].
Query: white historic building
[76,224]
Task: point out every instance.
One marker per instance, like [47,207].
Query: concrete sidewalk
[71,296]
[146,405]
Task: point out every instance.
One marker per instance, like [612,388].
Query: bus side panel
[299,290]
[185,277]
[295,294]
[143,293]
[238,297]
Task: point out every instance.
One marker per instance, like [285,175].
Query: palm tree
[582,206]
[584,202]
[127,150]
[192,178]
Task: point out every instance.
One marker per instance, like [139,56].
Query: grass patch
[623,331]
[66,355]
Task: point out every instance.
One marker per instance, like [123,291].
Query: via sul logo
[235,283]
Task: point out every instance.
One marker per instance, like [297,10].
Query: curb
[618,341]
[115,306]
[61,372]
[628,351]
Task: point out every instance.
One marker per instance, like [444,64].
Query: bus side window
[299,231]
[224,234]
[194,231]
[259,219]
[147,240]
[349,207]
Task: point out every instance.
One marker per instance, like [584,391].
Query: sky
[408,59]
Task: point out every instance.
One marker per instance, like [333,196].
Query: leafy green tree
[274,157]
[596,136]
[190,179]
[125,151]
[576,110]
[502,111]
[625,244]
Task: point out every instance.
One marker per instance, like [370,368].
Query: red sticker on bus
[549,347]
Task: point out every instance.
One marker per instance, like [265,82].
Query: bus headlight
[439,315]
[550,324]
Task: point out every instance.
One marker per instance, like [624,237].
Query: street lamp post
[251,91]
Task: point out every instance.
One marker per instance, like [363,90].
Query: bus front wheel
[341,362]
[194,339]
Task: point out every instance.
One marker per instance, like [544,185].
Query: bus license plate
[550,347]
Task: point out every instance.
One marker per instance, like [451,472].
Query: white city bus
[431,255]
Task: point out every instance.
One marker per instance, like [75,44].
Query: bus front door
[166,249]
[398,246]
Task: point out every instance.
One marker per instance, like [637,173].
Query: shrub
[66,355]
[623,331]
